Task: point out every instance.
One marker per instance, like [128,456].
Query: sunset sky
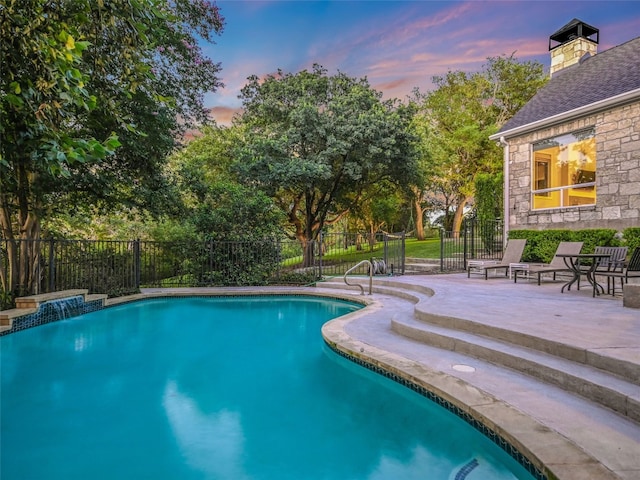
[397,45]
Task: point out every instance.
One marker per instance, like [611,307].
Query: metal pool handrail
[370,266]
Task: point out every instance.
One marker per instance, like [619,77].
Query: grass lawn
[429,248]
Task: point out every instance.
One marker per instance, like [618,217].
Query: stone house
[572,153]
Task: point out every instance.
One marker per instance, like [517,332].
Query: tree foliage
[216,204]
[457,118]
[381,209]
[94,95]
[488,207]
[317,142]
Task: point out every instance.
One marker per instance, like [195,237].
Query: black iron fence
[29,267]
[476,240]
[340,251]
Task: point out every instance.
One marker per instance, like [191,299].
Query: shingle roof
[599,77]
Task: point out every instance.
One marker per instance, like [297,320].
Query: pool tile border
[46,315]
[495,437]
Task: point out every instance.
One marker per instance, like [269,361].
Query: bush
[542,244]
[631,237]
[295,278]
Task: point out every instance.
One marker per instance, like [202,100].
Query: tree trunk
[419,219]
[21,274]
[458,216]
[7,280]
[372,236]
[307,253]
[306,238]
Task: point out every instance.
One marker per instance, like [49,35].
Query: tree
[381,207]
[217,204]
[234,225]
[460,114]
[511,85]
[316,142]
[461,125]
[419,190]
[80,79]
[488,208]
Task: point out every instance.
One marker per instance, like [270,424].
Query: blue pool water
[219,388]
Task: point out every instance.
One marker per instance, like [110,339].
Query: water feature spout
[62,308]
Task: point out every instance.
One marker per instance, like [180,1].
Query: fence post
[385,248]
[137,265]
[474,253]
[52,265]
[442,249]
[403,251]
[210,255]
[319,247]
[465,249]
[278,258]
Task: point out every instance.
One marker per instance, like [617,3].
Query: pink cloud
[405,48]
[224,115]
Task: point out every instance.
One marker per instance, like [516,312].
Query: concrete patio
[557,374]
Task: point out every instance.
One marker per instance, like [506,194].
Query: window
[564,171]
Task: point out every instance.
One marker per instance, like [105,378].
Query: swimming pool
[220,388]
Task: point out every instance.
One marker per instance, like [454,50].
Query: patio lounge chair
[631,270]
[557,264]
[512,254]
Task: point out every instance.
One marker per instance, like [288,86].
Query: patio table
[476,265]
[573,262]
[519,267]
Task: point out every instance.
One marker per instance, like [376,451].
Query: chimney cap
[572,30]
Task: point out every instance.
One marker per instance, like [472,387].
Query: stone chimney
[571,43]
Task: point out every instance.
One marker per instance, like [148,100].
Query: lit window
[564,171]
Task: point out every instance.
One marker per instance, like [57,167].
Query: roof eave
[610,102]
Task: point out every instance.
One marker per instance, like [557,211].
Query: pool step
[596,385]
[421,266]
[607,381]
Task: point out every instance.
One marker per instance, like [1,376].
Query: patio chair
[631,270]
[613,264]
[512,254]
[556,265]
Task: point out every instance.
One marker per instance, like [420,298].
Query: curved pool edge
[545,453]
[230,292]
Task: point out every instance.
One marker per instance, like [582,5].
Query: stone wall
[617,175]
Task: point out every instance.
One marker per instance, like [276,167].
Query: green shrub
[542,244]
[597,237]
[631,237]
[295,278]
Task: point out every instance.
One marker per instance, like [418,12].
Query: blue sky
[397,45]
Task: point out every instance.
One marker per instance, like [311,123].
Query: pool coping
[530,443]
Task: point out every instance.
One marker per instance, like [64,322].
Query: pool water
[219,388]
